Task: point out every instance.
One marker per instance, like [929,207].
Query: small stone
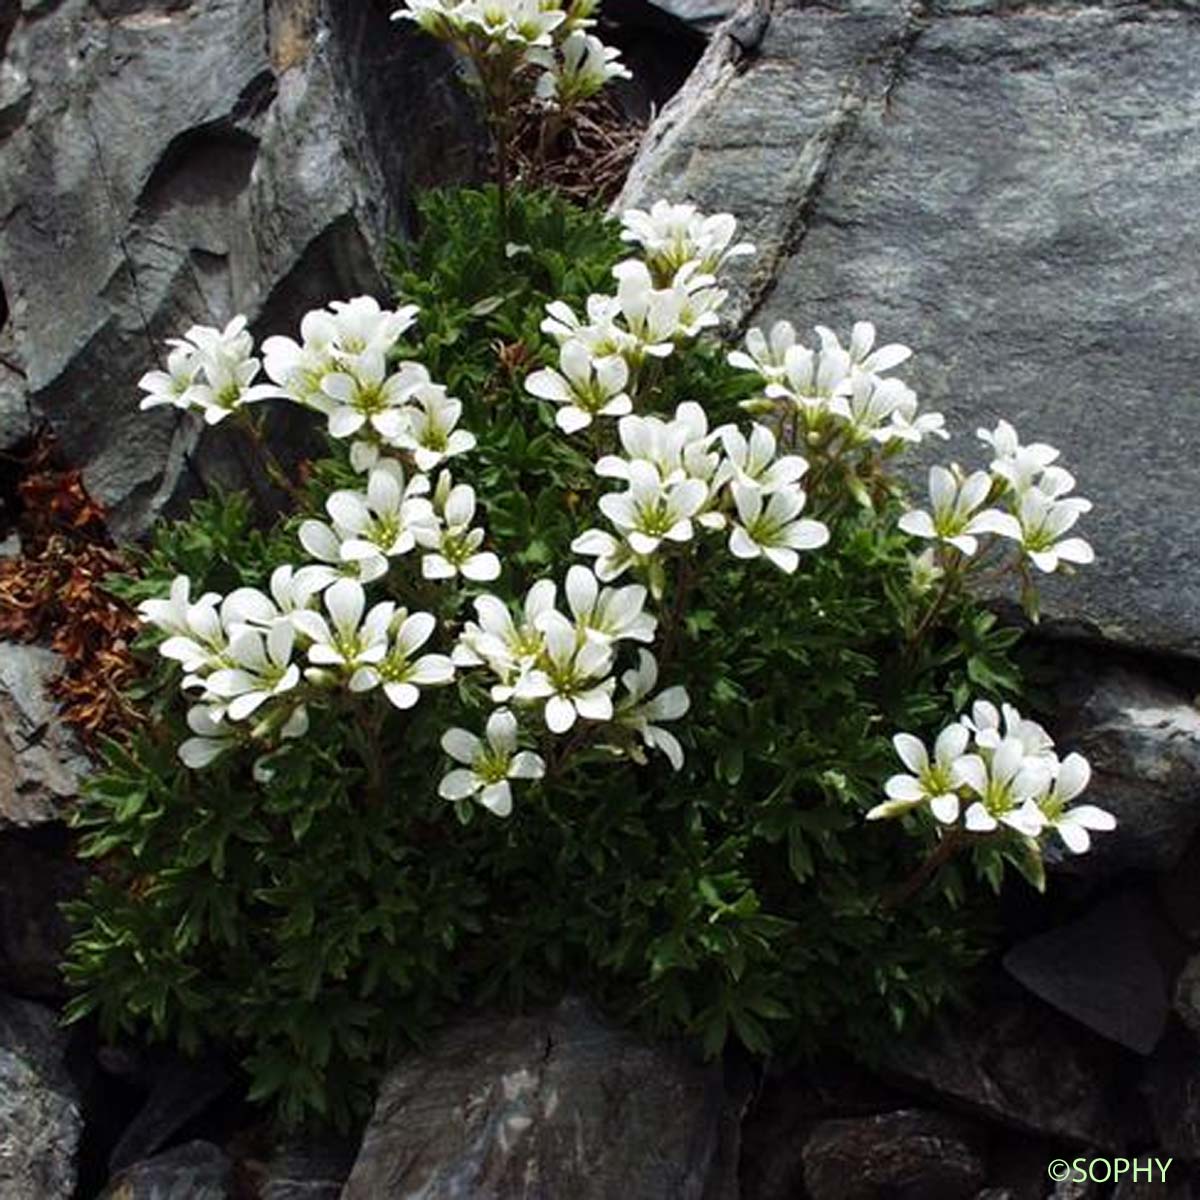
[195,1171]
[907,1155]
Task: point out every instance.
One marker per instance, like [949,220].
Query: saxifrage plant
[576,663]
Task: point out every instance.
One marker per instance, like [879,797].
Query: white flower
[226,370]
[1043,522]
[1007,784]
[488,767]
[571,676]
[508,649]
[613,557]
[382,520]
[776,531]
[172,615]
[677,449]
[262,669]
[934,783]
[1073,824]
[587,387]
[860,352]
[212,738]
[955,519]
[701,300]
[608,614]
[367,398]
[400,673]
[585,65]
[641,714]
[324,543]
[201,641]
[174,385]
[1019,466]
[651,511]
[456,546]
[430,433]
[651,314]
[346,639]
[673,235]
[600,333]
[765,354]
[811,379]
[360,326]
[754,463]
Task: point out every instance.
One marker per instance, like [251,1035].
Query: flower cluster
[210,370]
[1023,497]
[839,399]
[995,769]
[507,39]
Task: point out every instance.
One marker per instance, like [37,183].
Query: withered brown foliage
[53,592]
[587,161]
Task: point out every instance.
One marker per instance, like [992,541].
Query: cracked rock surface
[173,162]
[1004,188]
[553,1105]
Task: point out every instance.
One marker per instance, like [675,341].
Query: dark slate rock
[1187,995]
[1003,188]
[37,874]
[1106,970]
[181,1089]
[195,1171]
[790,1103]
[1172,1085]
[995,1059]
[1142,738]
[40,1121]
[185,162]
[543,1107]
[41,763]
[906,1155]
[1179,893]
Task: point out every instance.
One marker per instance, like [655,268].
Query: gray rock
[905,1155]
[1017,1061]
[547,1106]
[1106,970]
[1001,188]
[195,1171]
[37,878]
[186,162]
[1142,738]
[41,763]
[40,1121]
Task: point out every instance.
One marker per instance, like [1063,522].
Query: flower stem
[947,848]
[274,469]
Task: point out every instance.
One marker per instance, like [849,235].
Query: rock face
[41,764]
[541,1107]
[1142,738]
[180,162]
[993,1059]
[39,1107]
[1109,970]
[1001,188]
